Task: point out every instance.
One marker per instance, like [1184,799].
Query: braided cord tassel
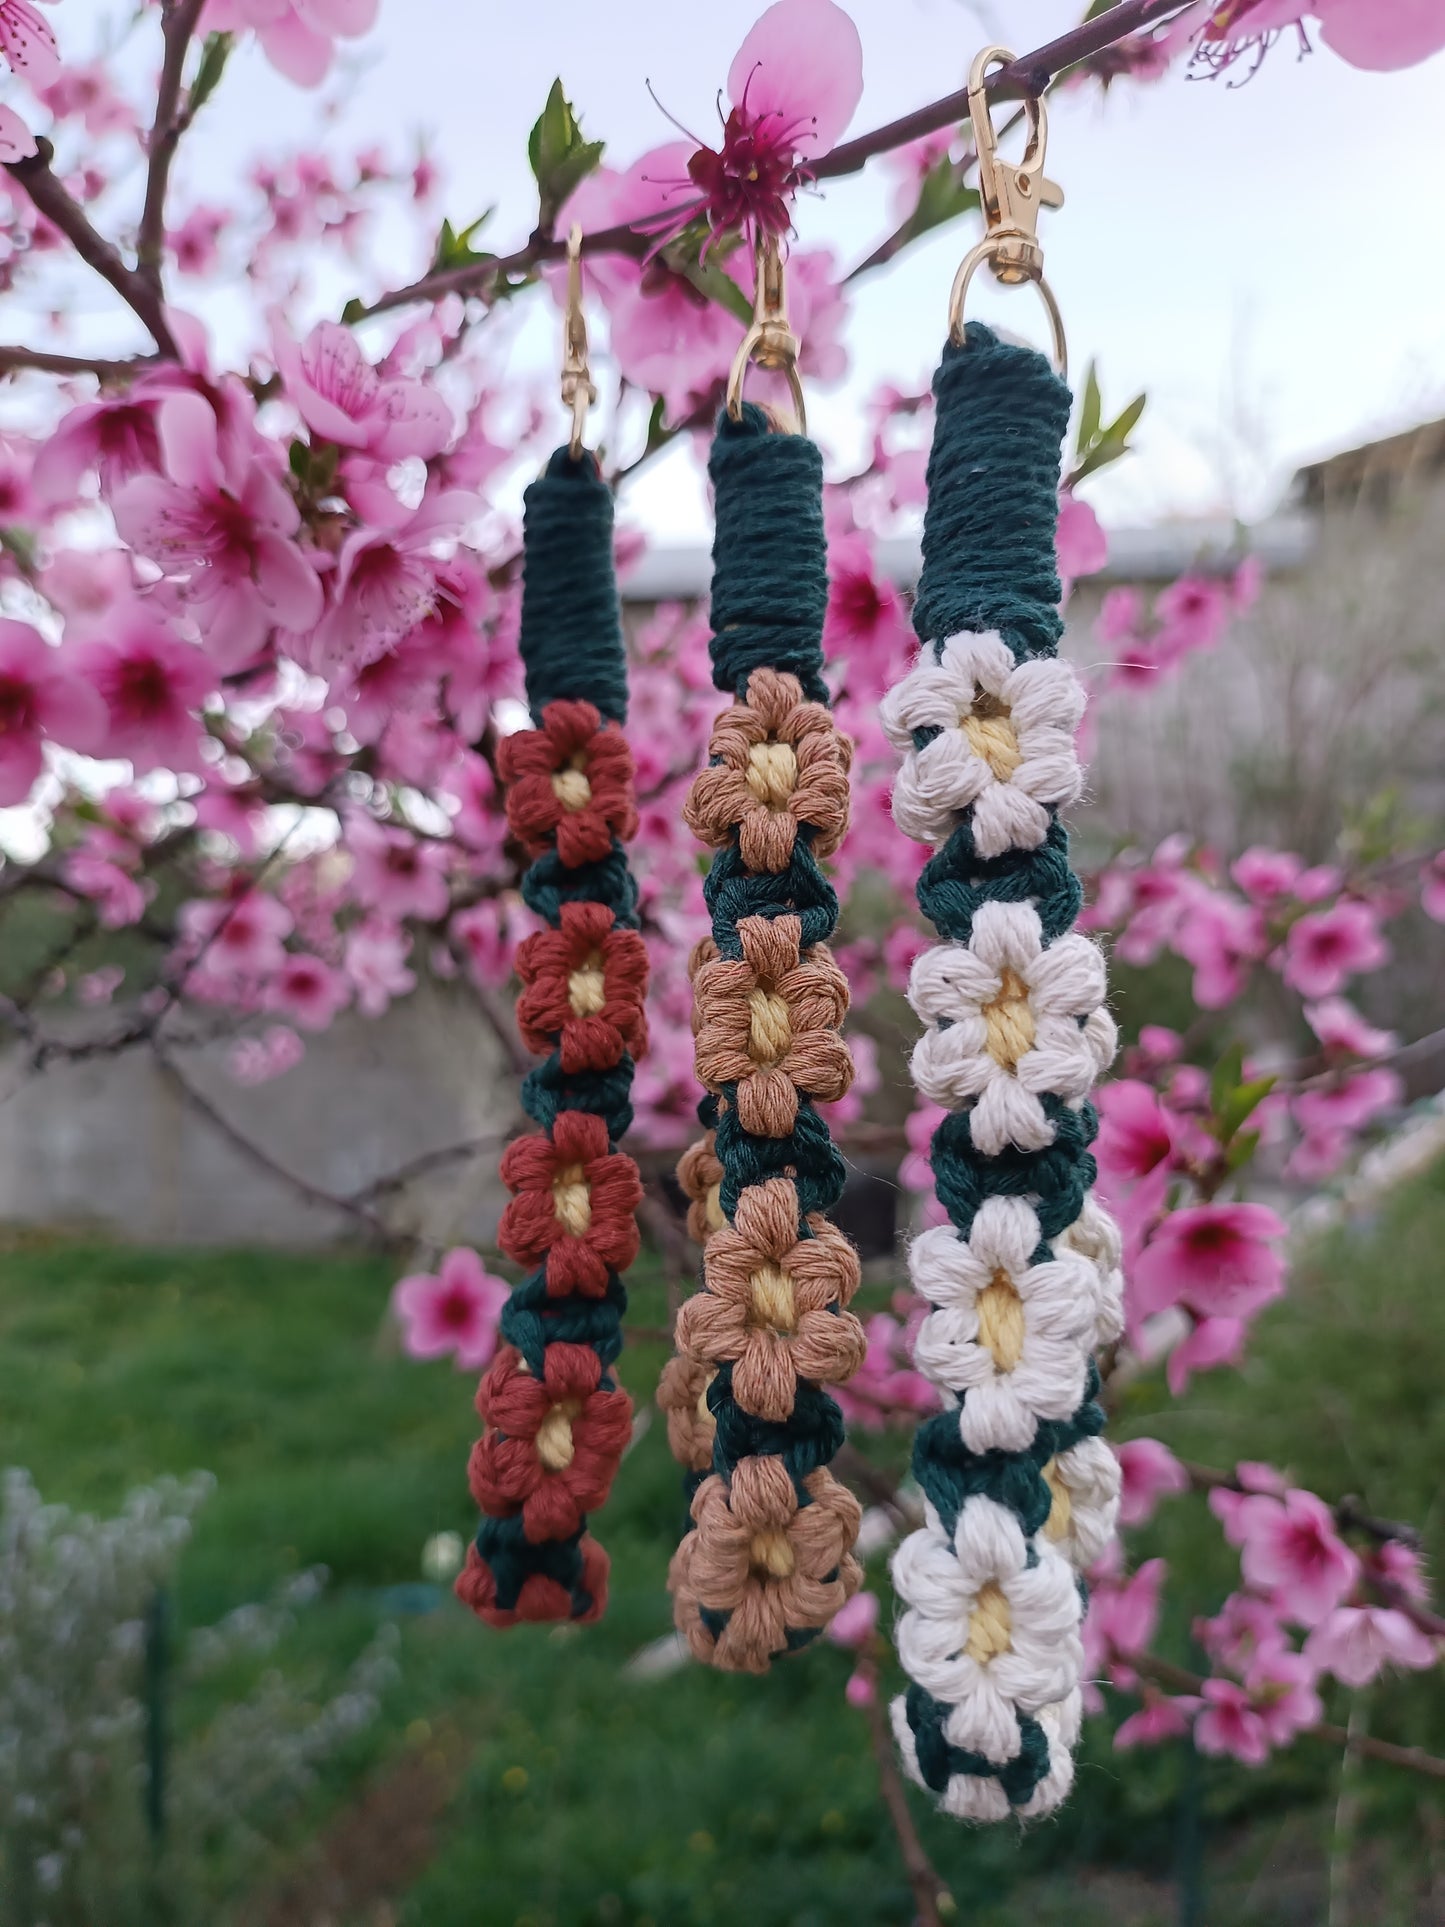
[769,1558]
[557,1422]
[1020,1491]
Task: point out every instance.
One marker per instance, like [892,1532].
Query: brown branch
[179,22]
[1349,1514]
[1176,1679]
[928,1889]
[54,201]
[13,359]
[1029,74]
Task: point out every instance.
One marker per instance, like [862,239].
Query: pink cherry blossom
[237,937]
[854,1624]
[862,1687]
[1151,1472]
[1230,1724]
[1212,1343]
[1381,34]
[375,963]
[1220,1260]
[28,43]
[1245,1625]
[153,684]
[308,991]
[454,1309]
[388,579]
[220,520]
[1083,547]
[1432,888]
[1266,875]
[1356,1643]
[1326,947]
[1282,1685]
[257,1060]
[17,143]
[297,35]
[1136,1132]
[793,86]
[1340,1027]
[120,898]
[1161,1717]
[342,399]
[396,873]
[1291,1549]
[44,697]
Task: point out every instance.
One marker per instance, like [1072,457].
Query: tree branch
[926,1886]
[179,22]
[1029,74]
[1176,1679]
[54,201]
[13,359]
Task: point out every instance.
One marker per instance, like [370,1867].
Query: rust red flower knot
[768,1023]
[583,989]
[569,784]
[552,1445]
[778,766]
[572,1206]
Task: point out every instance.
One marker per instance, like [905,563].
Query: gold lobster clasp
[579,391]
[769,341]
[1012,194]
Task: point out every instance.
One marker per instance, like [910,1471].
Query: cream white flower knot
[1012,1336]
[977,1796]
[1004,747]
[1085,1483]
[1096,1236]
[992,1627]
[1013,1021]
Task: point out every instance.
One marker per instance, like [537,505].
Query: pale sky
[1267,260]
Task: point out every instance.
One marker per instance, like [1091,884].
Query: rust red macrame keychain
[557,1421]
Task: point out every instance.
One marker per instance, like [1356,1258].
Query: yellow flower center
[570,785]
[572,1199]
[1061,1512]
[587,986]
[773,1305]
[554,1435]
[712,1210]
[990,1628]
[1001,1322]
[771,1553]
[770,1028]
[991,735]
[1010,1022]
[772,773]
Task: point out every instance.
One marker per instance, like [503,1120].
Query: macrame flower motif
[573,1206]
[768,1023]
[979,731]
[1011,1336]
[1085,1482]
[1096,1236]
[762,1564]
[975,1796]
[583,989]
[1014,1020]
[988,1632]
[682,1396]
[570,780]
[552,1445]
[773,1302]
[700,1174]
[541,1599]
[777,763]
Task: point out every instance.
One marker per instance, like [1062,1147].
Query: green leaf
[942,196]
[1241,1104]
[719,287]
[454,249]
[1089,411]
[300,460]
[1226,1075]
[354,311]
[1241,1151]
[1119,429]
[215,52]
[559,155]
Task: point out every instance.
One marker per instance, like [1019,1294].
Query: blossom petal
[801,60]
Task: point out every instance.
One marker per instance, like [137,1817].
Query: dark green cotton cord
[571,639]
[770,555]
[572,648]
[989,563]
[989,558]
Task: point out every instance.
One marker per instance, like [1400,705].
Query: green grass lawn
[527,1780]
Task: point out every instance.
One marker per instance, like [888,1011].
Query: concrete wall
[114,1144]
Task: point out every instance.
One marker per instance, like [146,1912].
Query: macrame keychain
[769,1558]
[557,1421]
[1020,1492]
